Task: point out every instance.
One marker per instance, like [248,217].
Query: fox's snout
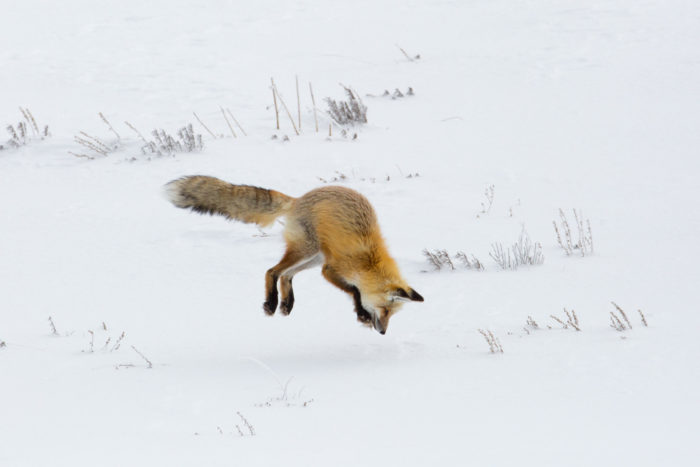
[378,326]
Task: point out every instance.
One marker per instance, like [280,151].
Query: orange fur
[334,226]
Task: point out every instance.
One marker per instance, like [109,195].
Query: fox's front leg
[287,294]
[334,278]
[270,304]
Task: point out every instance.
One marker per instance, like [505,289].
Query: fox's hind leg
[292,262]
[290,258]
[286,289]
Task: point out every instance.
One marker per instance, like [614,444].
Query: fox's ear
[411,295]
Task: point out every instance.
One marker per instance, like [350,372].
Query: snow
[557,104]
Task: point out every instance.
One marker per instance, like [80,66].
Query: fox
[334,227]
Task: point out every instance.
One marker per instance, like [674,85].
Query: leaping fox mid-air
[331,226]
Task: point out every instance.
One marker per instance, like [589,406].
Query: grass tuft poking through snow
[493,342]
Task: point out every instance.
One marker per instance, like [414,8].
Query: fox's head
[383,302]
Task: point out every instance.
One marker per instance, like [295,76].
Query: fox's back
[335,216]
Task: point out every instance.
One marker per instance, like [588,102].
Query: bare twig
[30,120]
[644,320]
[532,323]
[104,119]
[313,103]
[53,327]
[492,340]
[624,316]
[92,341]
[150,365]
[137,132]
[274,99]
[489,194]
[564,325]
[228,123]
[433,259]
[205,127]
[296,78]
[250,427]
[410,59]
[615,322]
[291,119]
[118,344]
[236,122]
[81,155]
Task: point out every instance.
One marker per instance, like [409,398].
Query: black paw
[287,304]
[363,316]
[270,305]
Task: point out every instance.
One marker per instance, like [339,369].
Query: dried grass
[492,340]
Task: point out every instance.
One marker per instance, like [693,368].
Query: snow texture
[162,354]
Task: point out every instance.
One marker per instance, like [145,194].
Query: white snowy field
[593,105]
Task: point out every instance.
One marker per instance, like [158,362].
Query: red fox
[331,226]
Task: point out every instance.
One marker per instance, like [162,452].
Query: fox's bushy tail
[209,195]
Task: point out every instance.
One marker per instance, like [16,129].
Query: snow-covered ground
[566,104]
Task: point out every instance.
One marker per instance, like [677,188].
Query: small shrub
[164,144]
[350,112]
[441,259]
[25,131]
[571,320]
[524,252]
[583,242]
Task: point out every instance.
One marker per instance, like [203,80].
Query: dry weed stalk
[228,123]
[486,206]
[433,259]
[148,362]
[615,322]
[445,259]
[441,258]
[291,119]
[571,320]
[624,315]
[20,135]
[274,99]
[236,122]
[247,424]
[584,240]
[532,323]
[92,143]
[92,342]
[410,59]
[472,263]
[296,78]
[118,343]
[104,119]
[644,320]
[81,155]
[492,340]
[136,131]
[53,327]
[205,127]
[313,104]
